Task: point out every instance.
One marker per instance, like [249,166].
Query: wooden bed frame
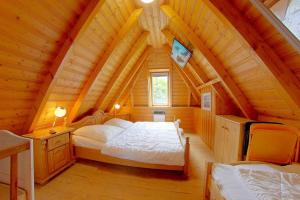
[212,190]
[100,117]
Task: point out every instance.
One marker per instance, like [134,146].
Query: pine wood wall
[160,59]
[204,120]
[31,34]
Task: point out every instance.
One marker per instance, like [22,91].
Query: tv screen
[180,54]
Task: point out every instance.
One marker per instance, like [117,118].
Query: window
[160,88]
[288,12]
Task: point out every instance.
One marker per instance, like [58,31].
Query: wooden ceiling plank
[204,78]
[201,74]
[285,79]
[184,73]
[231,87]
[132,20]
[184,76]
[140,41]
[127,92]
[130,77]
[57,66]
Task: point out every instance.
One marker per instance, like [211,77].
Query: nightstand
[52,152]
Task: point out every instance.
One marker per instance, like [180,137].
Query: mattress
[81,141]
[147,142]
[257,181]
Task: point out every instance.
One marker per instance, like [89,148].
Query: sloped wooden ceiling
[87,55]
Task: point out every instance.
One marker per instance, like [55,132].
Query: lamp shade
[147,1]
[117,106]
[60,111]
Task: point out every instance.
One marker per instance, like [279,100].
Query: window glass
[288,12]
[160,88]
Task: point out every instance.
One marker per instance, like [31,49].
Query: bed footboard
[186,157]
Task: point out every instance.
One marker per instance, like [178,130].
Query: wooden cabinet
[52,152]
[229,136]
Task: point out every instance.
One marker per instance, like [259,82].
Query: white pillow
[101,133]
[119,123]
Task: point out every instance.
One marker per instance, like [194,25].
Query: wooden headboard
[98,117]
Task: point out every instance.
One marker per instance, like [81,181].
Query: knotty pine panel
[31,34]
[185,114]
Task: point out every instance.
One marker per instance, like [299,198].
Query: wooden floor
[94,181]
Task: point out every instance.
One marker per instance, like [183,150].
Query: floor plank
[88,180]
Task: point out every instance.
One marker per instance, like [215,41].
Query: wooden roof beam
[96,71]
[185,75]
[57,65]
[231,87]
[286,81]
[130,77]
[211,82]
[138,44]
[201,74]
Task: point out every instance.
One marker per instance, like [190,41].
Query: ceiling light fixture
[147,1]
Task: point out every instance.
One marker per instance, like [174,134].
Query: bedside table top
[45,134]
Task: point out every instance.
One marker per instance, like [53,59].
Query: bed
[271,169]
[153,145]
[254,181]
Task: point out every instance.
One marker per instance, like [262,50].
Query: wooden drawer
[58,141]
[58,157]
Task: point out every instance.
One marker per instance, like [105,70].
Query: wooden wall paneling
[190,85]
[290,122]
[141,40]
[185,114]
[127,91]
[129,78]
[203,77]
[123,76]
[56,67]
[217,66]
[160,59]
[201,74]
[186,76]
[204,120]
[286,80]
[180,91]
[108,69]
[94,75]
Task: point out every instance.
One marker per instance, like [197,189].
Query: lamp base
[52,131]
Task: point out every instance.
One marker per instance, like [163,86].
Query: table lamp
[116,107]
[59,112]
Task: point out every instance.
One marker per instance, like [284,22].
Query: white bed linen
[234,183]
[86,142]
[147,142]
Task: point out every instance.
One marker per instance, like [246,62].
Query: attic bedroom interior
[149,99]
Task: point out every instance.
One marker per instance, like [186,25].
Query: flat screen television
[180,54]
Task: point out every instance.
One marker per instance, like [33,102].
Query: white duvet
[258,181]
[271,185]
[147,142]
